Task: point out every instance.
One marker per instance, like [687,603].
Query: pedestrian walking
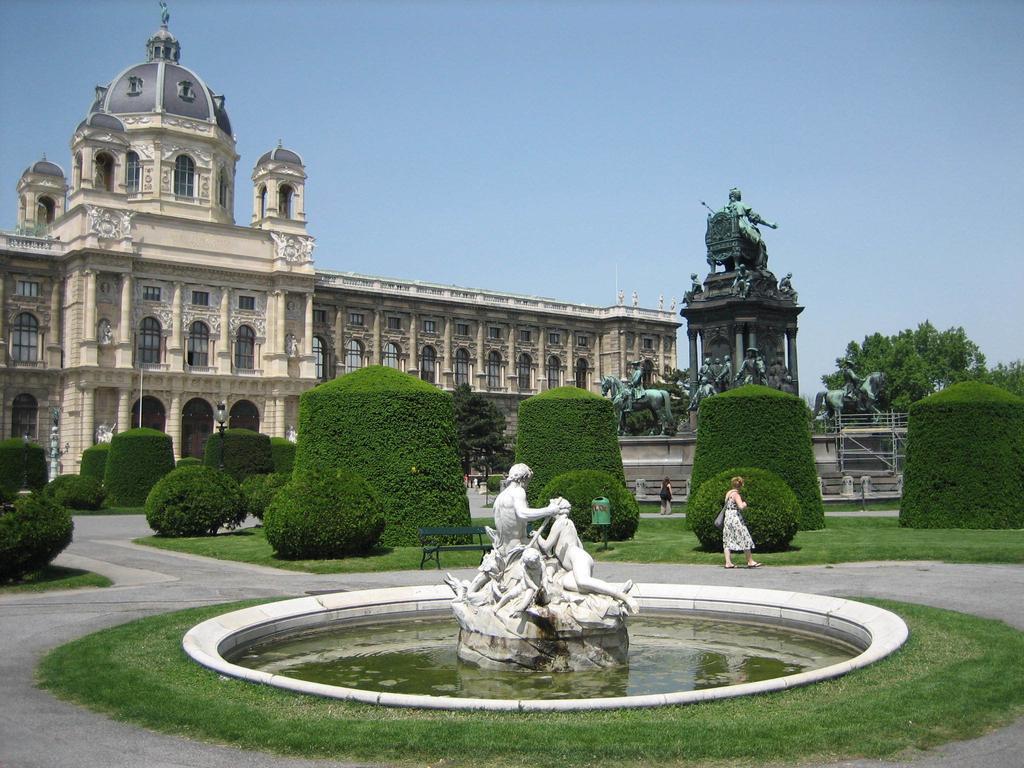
[735,536]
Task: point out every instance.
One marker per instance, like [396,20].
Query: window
[648,342]
[149,341]
[355,318]
[493,332]
[135,85]
[525,335]
[222,187]
[247,302]
[394,323]
[581,373]
[184,176]
[554,370]
[581,340]
[461,367]
[25,338]
[391,355]
[494,370]
[462,329]
[284,201]
[263,201]
[150,293]
[428,364]
[245,348]
[29,288]
[201,298]
[46,211]
[244,415]
[24,416]
[319,358]
[523,366]
[319,315]
[353,356]
[132,173]
[103,175]
[198,344]
[430,326]
[186,91]
[555,338]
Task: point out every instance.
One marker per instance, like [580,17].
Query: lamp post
[222,416]
[24,463]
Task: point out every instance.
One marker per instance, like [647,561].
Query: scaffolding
[871,441]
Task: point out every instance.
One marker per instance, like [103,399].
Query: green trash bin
[601,514]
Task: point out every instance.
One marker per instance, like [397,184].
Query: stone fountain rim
[876,631]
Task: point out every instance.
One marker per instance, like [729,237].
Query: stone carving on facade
[291,345]
[144,151]
[104,333]
[171,150]
[255,321]
[291,435]
[105,433]
[110,223]
[636,299]
[191,125]
[135,120]
[296,249]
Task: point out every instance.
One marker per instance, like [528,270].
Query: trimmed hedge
[19,462]
[398,433]
[94,461]
[324,513]
[259,490]
[771,514]
[282,453]
[189,461]
[245,453]
[194,501]
[137,459]
[580,487]
[755,426]
[563,430]
[31,535]
[494,483]
[76,491]
[964,465]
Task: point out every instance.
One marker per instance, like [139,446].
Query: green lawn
[844,539]
[654,507]
[956,678]
[110,511]
[55,577]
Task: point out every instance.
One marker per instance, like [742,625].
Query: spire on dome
[163,46]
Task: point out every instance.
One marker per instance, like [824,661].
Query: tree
[1009,377]
[916,363]
[481,431]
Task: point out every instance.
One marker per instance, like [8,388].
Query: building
[130,295]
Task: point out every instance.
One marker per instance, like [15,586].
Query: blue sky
[541,147]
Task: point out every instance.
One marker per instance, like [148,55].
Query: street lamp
[222,416]
[24,462]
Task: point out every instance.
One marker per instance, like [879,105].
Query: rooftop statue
[733,237]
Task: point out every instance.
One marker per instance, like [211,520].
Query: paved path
[39,731]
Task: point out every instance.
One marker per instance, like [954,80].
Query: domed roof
[281,155]
[44,168]
[102,120]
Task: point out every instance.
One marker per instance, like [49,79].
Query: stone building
[130,294]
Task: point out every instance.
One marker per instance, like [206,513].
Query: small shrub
[245,453]
[324,514]
[137,459]
[259,490]
[20,462]
[76,491]
[189,461]
[31,535]
[194,501]
[494,483]
[94,461]
[771,514]
[282,452]
[581,487]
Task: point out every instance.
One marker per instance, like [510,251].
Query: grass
[956,678]
[843,540]
[110,511]
[654,507]
[56,577]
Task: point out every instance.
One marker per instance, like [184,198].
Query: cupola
[42,193]
[279,182]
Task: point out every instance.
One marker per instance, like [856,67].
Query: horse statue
[654,400]
[835,401]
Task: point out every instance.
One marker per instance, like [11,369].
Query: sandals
[755,565]
[728,566]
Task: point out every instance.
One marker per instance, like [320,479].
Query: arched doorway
[196,426]
[244,415]
[153,414]
[24,416]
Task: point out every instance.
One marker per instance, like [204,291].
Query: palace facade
[130,295]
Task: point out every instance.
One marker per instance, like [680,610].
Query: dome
[44,168]
[102,120]
[281,155]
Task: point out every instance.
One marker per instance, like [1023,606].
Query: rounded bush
[772,509]
[31,535]
[563,430]
[324,514]
[755,426]
[94,461]
[282,453]
[194,501]
[398,433]
[20,462]
[245,453]
[580,487]
[76,491]
[259,490]
[137,459]
[189,461]
[964,467]
[494,483]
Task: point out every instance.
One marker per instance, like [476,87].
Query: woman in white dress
[735,536]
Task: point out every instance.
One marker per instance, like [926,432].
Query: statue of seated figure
[733,238]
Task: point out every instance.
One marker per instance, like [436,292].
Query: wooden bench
[433,541]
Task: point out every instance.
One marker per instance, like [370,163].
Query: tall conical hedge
[563,430]
[965,460]
[136,460]
[398,434]
[760,427]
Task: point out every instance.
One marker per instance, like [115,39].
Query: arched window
[25,338]
[153,414]
[244,415]
[320,358]
[132,173]
[581,373]
[77,174]
[494,369]
[103,174]
[222,187]
[24,416]
[245,348]
[198,344]
[428,364]
[353,356]
[523,366]
[196,426]
[184,176]
[461,367]
[391,355]
[46,210]
[263,201]
[554,371]
[284,201]
[149,341]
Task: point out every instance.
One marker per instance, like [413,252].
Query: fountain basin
[874,631]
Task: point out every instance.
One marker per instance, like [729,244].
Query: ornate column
[481,365]
[413,348]
[791,362]
[124,410]
[570,344]
[622,354]
[53,348]
[737,360]
[542,378]
[598,362]
[89,354]
[224,344]
[339,341]
[446,374]
[512,374]
[124,326]
[88,415]
[174,423]
[3,331]
[278,416]
[691,334]
[175,353]
[307,370]
[752,337]
[376,340]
